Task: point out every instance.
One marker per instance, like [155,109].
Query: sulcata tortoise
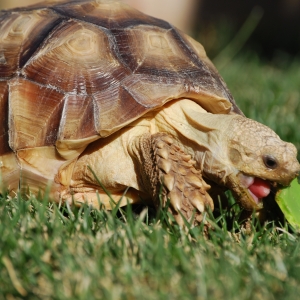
[97,85]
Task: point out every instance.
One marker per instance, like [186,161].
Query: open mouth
[257,187]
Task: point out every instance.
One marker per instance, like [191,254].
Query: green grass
[51,253]
[47,253]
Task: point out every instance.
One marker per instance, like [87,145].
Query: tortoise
[98,99]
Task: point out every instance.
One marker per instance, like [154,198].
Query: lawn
[48,252]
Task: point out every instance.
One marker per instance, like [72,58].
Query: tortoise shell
[75,71]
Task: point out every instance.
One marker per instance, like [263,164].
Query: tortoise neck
[203,135]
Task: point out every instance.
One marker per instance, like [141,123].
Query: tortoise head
[255,159]
[261,159]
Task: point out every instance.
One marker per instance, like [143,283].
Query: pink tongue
[260,188]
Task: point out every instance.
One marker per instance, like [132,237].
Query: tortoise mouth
[255,187]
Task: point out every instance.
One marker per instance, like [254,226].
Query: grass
[52,253]
[47,253]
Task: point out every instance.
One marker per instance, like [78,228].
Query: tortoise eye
[270,161]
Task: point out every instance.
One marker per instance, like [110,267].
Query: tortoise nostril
[270,161]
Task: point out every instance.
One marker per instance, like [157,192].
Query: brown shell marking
[35,123]
[76,59]
[81,68]
[20,35]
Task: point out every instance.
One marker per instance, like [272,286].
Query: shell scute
[77,120]
[152,91]
[20,35]
[76,58]
[33,123]
[151,50]
[116,114]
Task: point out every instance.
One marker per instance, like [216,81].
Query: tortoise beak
[247,192]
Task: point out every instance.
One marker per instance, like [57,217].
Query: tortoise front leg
[168,170]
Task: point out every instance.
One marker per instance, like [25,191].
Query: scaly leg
[168,169]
